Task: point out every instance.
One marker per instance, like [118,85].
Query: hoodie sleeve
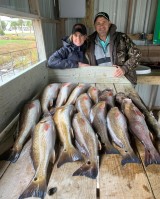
[59,59]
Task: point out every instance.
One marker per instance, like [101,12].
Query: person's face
[102,26]
[78,39]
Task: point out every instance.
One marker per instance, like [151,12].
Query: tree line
[15,25]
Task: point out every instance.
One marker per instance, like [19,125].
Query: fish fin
[72,134]
[151,157]
[130,158]
[81,148]
[37,188]
[10,155]
[87,169]
[51,102]
[69,155]
[109,149]
[53,156]
[46,114]
[52,111]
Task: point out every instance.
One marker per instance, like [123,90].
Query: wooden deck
[114,181]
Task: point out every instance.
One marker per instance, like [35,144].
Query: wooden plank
[17,176]
[122,182]
[126,88]
[127,181]
[92,74]
[3,167]
[105,86]
[152,79]
[69,186]
[152,172]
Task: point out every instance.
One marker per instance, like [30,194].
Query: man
[108,47]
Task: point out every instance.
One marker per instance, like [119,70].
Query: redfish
[84,104]
[87,142]
[117,126]
[42,151]
[29,117]
[139,128]
[79,89]
[62,119]
[98,120]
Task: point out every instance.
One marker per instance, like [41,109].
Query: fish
[139,128]
[62,119]
[119,97]
[79,89]
[117,126]
[42,152]
[84,104]
[64,93]
[98,120]
[29,117]
[149,117]
[87,142]
[94,93]
[107,96]
[137,101]
[49,95]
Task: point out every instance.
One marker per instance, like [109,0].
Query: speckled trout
[42,151]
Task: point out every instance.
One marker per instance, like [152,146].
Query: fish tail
[52,111]
[87,169]
[130,158]
[37,188]
[151,157]
[69,155]
[109,149]
[11,155]
[47,114]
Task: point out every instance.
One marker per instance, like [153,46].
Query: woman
[72,54]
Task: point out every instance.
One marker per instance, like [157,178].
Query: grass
[11,44]
[7,46]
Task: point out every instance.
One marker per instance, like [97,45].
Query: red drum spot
[31,105]
[94,89]
[46,127]
[85,98]
[110,94]
[138,112]
[116,114]
[66,84]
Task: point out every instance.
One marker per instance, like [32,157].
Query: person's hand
[80,64]
[119,72]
